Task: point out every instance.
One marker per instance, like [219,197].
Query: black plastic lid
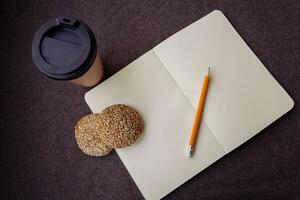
[64,48]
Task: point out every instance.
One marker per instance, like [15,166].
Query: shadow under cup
[64,48]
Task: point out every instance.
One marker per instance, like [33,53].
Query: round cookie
[120,126]
[88,138]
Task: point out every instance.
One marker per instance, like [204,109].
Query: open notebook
[164,86]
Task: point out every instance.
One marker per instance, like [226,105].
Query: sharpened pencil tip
[208,71]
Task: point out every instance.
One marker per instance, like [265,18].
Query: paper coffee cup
[64,48]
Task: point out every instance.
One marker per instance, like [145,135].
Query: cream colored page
[243,97]
[157,161]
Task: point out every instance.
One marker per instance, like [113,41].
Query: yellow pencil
[197,120]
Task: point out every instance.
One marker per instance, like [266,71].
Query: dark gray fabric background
[39,155]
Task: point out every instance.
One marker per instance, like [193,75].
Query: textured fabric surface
[39,156]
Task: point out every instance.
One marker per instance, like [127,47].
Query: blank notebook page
[243,97]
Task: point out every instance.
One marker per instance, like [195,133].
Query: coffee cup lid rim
[59,57]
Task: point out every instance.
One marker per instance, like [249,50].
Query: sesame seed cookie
[88,138]
[121,126]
